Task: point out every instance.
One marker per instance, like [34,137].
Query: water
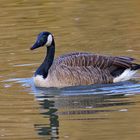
[101,112]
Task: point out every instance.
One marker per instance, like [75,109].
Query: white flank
[49,41]
[126,75]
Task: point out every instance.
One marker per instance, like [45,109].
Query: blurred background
[102,112]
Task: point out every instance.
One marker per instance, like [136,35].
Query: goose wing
[88,68]
[95,60]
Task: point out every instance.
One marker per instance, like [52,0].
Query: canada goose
[79,68]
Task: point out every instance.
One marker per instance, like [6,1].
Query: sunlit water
[100,112]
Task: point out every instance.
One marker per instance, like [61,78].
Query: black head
[44,38]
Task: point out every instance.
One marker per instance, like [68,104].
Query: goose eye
[42,40]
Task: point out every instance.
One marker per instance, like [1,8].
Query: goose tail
[127,74]
[135,67]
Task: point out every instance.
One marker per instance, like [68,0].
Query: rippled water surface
[100,112]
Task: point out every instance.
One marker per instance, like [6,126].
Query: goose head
[44,38]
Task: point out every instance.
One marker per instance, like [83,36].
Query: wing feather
[89,59]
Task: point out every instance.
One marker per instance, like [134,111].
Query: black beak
[36,45]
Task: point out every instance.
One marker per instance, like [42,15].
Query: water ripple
[127,87]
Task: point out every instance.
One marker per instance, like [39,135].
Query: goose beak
[36,45]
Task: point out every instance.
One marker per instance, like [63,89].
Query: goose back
[81,59]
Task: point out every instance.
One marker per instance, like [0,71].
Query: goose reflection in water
[78,107]
[50,129]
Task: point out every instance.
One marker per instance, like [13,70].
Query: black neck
[44,67]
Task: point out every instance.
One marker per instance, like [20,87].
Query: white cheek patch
[49,41]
